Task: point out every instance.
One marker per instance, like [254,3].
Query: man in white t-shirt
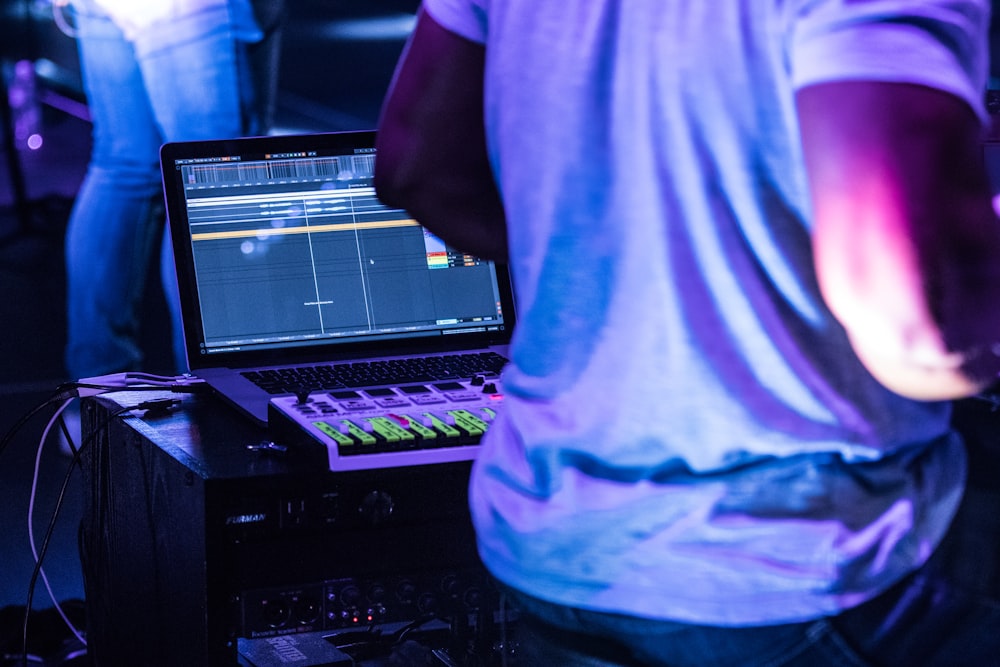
[755,259]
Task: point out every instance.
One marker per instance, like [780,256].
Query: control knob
[376,507]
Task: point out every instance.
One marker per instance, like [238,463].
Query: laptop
[289,266]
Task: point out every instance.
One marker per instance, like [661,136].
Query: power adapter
[309,649]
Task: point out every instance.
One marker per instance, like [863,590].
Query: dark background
[336,62]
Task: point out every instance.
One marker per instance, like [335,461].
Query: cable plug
[158,406]
[100,384]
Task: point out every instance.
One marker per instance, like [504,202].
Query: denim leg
[947,613]
[195,80]
[216,100]
[551,635]
[168,278]
[548,634]
[189,82]
[112,230]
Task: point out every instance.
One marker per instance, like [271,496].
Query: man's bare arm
[907,246]
[432,157]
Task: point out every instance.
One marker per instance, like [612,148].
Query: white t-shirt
[687,433]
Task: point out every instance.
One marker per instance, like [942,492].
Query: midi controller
[384,427]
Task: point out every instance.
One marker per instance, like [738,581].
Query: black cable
[64,429]
[415,625]
[50,529]
[62,393]
[69,390]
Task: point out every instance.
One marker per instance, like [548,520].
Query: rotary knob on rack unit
[376,507]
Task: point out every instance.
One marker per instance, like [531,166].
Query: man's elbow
[904,349]
[921,377]
[897,337]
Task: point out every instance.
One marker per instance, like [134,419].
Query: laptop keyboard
[328,377]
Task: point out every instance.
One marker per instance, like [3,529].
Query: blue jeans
[945,614]
[188,82]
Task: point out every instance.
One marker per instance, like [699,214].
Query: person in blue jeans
[152,73]
[756,263]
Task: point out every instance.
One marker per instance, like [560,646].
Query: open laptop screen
[284,245]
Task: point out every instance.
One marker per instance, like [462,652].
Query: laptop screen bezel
[299,352]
